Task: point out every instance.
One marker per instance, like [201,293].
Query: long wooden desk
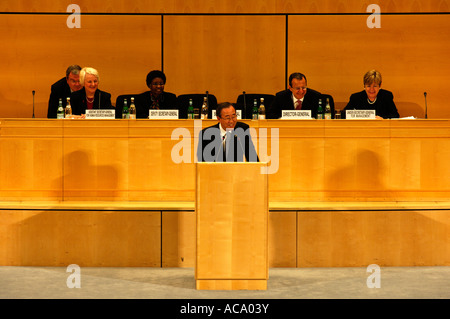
[107,193]
[119,160]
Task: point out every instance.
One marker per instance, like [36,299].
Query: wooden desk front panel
[339,160]
[343,160]
[31,165]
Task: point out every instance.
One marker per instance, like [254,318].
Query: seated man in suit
[156,98]
[228,140]
[62,89]
[297,97]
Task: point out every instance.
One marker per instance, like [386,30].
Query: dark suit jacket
[143,103]
[102,100]
[384,106]
[210,147]
[59,90]
[283,101]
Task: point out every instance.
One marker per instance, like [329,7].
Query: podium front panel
[232,219]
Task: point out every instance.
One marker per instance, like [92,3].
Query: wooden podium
[232,226]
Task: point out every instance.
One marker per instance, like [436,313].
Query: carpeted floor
[179,283]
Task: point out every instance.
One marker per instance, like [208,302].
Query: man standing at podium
[228,140]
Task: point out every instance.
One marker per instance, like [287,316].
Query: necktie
[223,142]
[298,105]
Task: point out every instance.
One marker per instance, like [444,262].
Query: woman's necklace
[370,101]
[90,100]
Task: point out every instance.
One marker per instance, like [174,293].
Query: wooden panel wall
[230,6]
[41,47]
[119,238]
[85,238]
[248,47]
[386,238]
[225,54]
[410,52]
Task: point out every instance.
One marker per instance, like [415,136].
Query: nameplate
[238,114]
[163,114]
[360,114]
[101,114]
[296,115]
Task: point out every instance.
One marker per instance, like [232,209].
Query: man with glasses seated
[297,97]
[228,140]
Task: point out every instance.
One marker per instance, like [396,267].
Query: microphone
[426,108]
[207,102]
[245,107]
[33,101]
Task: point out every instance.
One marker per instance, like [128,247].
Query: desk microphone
[426,108]
[245,107]
[33,101]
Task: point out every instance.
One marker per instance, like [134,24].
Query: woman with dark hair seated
[156,98]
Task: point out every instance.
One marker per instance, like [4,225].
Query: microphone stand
[426,107]
[245,107]
[33,102]
[207,102]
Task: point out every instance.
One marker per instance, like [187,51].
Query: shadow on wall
[85,181]
[361,178]
[406,109]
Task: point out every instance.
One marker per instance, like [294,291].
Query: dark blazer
[283,101]
[384,106]
[59,90]
[102,100]
[143,102]
[210,147]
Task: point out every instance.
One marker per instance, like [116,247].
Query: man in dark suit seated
[228,140]
[297,97]
[62,89]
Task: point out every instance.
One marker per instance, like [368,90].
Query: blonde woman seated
[373,97]
[89,97]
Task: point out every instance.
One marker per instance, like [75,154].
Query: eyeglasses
[300,88]
[229,118]
[158,83]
